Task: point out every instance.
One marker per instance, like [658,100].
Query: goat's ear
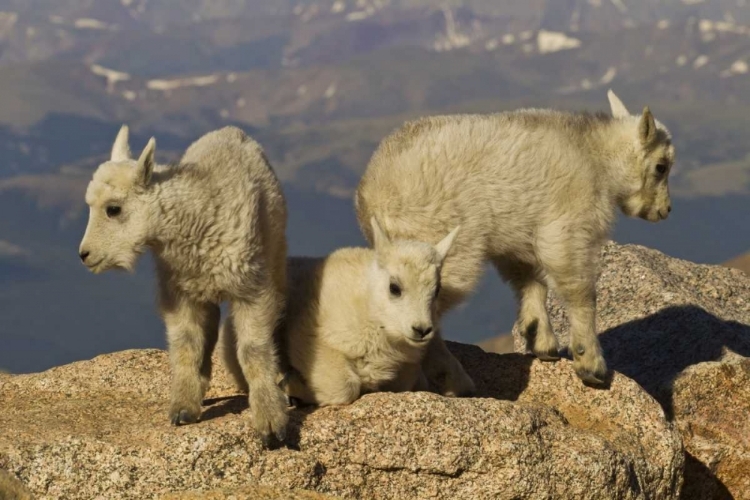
[446,243]
[379,238]
[647,127]
[618,108]
[121,149]
[146,163]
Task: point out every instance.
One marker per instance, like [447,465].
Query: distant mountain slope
[42,29]
[163,61]
[741,262]
[319,83]
[500,344]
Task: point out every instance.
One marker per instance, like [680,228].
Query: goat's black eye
[395,290]
[113,211]
[661,169]
[437,289]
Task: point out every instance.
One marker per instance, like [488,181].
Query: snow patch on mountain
[552,41]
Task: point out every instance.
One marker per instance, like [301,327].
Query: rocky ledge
[682,331]
[98,429]
[676,331]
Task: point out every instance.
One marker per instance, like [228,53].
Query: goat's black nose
[422,331]
[84,256]
[669,208]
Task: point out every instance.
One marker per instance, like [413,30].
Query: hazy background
[319,83]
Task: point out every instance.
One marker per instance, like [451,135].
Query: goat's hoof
[596,379]
[267,440]
[590,366]
[549,355]
[273,440]
[463,388]
[270,421]
[281,435]
[184,417]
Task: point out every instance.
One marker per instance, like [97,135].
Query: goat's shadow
[656,349]
[234,405]
[652,350]
[223,406]
[496,376]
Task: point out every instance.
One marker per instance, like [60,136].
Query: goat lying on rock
[358,320]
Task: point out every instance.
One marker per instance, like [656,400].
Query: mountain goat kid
[535,192]
[360,319]
[215,224]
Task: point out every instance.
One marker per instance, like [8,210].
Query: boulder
[711,405]
[99,429]
[682,331]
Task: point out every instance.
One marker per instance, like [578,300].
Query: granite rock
[682,331]
[98,429]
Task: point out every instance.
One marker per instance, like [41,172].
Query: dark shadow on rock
[656,349]
[700,483]
[221,407]
[297,417]
[235,405]
[499,376]
[653,351]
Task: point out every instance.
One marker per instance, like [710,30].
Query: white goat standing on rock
[535,192]
[216,225]
[359,320]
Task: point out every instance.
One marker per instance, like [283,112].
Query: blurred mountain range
[319,83]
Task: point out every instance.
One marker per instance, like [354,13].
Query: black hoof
[281,435]
[551,355]
[592,379]
[273,441]
[266,440]
[467,393]
[269,441]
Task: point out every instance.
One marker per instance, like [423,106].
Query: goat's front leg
[445,371]
[410,378]
[192,328]
[588,361]
[533,320]
[228,338]
[254,323]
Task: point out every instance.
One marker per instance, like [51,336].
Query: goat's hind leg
[445,371]
[296,390]
[533,319]
[210,338]
[254,323]
[327,379]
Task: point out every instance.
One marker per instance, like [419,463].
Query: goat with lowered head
[536,193]
[215,224]
[359,320]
